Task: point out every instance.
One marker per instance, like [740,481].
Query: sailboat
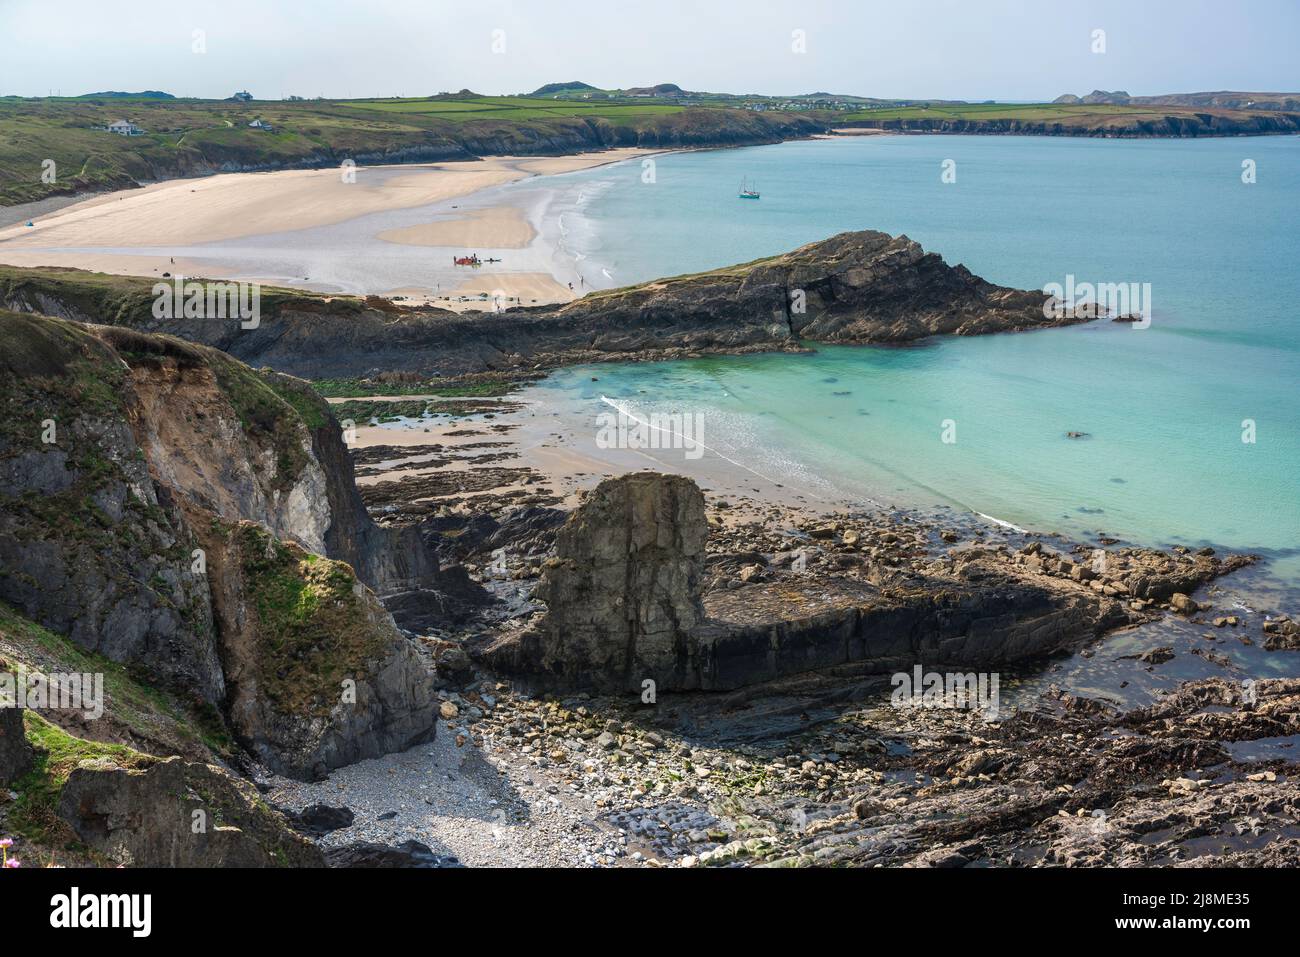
[747,192]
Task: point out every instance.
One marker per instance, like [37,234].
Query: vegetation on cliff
[34,814]
[138,713]
[194,137]
[1076,119]
[184,137]
[315,629]
[147,487]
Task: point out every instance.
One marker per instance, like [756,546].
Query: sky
[1013,50]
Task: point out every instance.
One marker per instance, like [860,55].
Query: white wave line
[998,521]
[622,410]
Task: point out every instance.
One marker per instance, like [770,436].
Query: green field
[187,137]
[511,108]
[197,137]
[1048,112]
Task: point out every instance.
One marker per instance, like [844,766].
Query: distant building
[261,125]
[123,128]
[243,96]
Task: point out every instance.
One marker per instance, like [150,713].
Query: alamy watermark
[58,691]
[209,300]
[1130,301]
[972,691]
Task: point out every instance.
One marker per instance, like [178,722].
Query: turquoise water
[1163,407]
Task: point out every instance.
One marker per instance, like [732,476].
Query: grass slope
[190,137]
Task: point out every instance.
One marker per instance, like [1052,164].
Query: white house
[124,128]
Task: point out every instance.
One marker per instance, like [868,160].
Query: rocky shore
[422,649]
[824,767]
[812,773]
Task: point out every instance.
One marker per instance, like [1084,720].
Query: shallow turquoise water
[1163,406]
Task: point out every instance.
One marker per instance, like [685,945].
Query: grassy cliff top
[188,137]
[151,719]
[62,370]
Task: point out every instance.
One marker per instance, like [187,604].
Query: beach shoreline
[552,448]
[199,227]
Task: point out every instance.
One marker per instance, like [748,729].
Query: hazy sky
[957,49]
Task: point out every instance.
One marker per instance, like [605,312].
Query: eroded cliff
[165,506]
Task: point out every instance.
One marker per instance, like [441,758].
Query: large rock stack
[623,587]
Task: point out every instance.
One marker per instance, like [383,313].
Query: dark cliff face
[175,511]
[88,546]
[397,563]
[856,287]
[1177,125]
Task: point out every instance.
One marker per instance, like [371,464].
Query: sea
[1189,420]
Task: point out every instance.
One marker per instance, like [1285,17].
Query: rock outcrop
[318,676]
[1281,634]
[626,601]
[132,470]
[855,287]
[16,754]
[175,813]
[623,589]
[408,854]
[88,547]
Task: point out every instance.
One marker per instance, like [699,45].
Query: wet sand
[267,227]
[239,205]
[497,227]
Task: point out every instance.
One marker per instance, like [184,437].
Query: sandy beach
[558,445]
[211,227]
[498,227]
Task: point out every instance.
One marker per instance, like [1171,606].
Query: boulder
[1281,634]
[176,813]
[406,854]
[317,820]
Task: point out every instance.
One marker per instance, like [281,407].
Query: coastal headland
[373,503]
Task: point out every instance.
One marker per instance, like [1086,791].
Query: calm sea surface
[1163,407]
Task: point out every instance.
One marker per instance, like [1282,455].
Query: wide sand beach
[212,227]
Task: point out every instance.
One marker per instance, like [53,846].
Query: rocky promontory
[857,287]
